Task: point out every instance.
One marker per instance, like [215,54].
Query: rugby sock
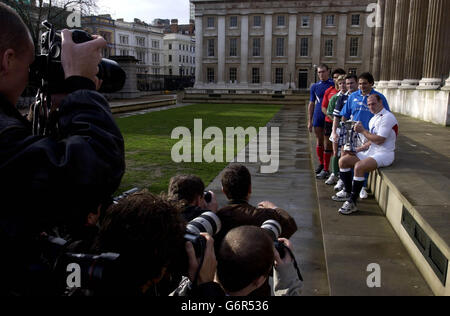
[335,165]
[320,150]
[346,177]
[327,157]
[358,183]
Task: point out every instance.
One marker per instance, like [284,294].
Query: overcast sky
[146,10]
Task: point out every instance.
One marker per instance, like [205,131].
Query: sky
[146,10]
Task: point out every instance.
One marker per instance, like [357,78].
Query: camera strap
[295,262]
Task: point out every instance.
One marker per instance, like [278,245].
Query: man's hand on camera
[267,204]
[81,59]
[213,205]
[208,268]
[287,257]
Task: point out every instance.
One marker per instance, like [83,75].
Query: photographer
[148,233]
[188,190]
[245,261]
[49,181]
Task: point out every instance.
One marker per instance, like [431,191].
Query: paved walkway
[292,189]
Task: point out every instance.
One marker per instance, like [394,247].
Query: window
[210,22]
[279,75]
[123,39]
[305,21]
[179,58]
[155,44]
[155,58]
[210,75]
[328,48]
[355,20]
[329,20]
[140,41]
[354,41]
[141,57]
[257,21]
[170,58]
[233,74]
[281,20]
[179,46]
[211,48]
[304,47]
[170,71]
[352,71]
[280,47]
[233,47]
[256,47]
[233,21]
[256,76]
[170,46]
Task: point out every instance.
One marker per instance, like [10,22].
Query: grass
[148,143]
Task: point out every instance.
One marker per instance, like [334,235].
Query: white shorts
[383,159]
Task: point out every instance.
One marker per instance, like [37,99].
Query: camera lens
[208,222]
[273,228]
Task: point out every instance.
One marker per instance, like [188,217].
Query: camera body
[207,196]
[47,66]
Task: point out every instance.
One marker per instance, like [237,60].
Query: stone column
[388,36]
[378,43]
[244,50]
[366,45]
[437,38]
[415,43]
[292,51]
[316,40]
[268,51]
[198,51]
[221,51]
[399,43]
[342,42]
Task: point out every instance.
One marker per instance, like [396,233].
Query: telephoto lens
[209,223]
[273,228]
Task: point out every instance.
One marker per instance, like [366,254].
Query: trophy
[350,136]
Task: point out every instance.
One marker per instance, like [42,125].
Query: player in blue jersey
[316,118]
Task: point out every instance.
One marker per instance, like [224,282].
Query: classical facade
[276,45]
[102,25]
[142,41]
[412,57]
[179,54]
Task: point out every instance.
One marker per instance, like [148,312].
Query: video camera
[47,74]
[47,66]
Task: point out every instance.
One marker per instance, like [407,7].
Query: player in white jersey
[378,152]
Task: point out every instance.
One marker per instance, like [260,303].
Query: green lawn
[148,142]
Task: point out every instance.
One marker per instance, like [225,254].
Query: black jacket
[45,181]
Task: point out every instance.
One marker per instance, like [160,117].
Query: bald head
[246,253]
[15,34]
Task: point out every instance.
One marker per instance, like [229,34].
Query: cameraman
[50,181]
[245,261]
[188,190]
[148,233]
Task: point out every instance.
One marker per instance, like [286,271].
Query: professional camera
[47,66]
[207,196]
[274,229]
[209,223]
[124,195]
[86,274]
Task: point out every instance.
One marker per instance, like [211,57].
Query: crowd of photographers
[61,233]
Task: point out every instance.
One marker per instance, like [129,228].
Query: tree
[34,12]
